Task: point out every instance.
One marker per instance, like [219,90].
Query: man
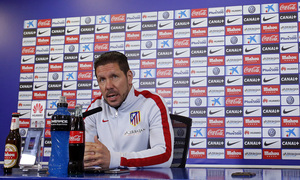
[133,128]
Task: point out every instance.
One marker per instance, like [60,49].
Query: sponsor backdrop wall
[232,67]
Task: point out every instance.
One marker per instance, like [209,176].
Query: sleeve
[161,140]
[90,126]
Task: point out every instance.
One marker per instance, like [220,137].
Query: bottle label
[11,155]
[60,124]
[14,123]
[76,137]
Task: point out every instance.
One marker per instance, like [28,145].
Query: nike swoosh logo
[178,53]
[24,60]
[95,85]
[214,112]
[100,29]
[163,25]
[130,27]
[231,21]
[105,120]
[284,49]
[144,55]
[195,143]
[196,23]
[50,114]
[161,83]
[69,31]
[196,82]
[231,81]
[84,57]
[42,32]
[66,86]
[268,144]
[230,144]
[286,112]
[248,50]
[249,112]
[212,52]
[267,19]
[23,114]
[267,80]
[53,59]
[36,86]
[178,112]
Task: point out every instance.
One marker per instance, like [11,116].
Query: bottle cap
[62,99]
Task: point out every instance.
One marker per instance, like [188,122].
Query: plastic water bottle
[60,131]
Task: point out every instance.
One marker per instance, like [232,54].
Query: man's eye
[115,76]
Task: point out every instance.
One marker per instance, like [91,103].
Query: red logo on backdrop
[197,153]
[181,62]
[252,59]
[215,132]
[165,34]
[102,37]
[234,101]
[252,122]
[83,66]
[69,94]
[164,92]
[48,123]
[270,38]
[47,132]
[24,123]
[76,137]
[216,61]
[133,36]
[164,73]
[196,13]
[28,50]
[71,103]
[271,90]
[250,70]
[74,39]
[28,68]
[289,58]
[198,32]
[215,122]
[96,93]
[288,7]
[233,30]
[44,23]
[101,47]
[148,63]
[39,95]
[42,41]
[290,121]
[85,75]
[181,43]
[272,154]
[118,18]
[269,28]
[198,91]
[234,154]
[55,67]
[234,91]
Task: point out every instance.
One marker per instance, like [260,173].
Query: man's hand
[96,154]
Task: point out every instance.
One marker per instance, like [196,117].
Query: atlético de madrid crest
[135,118]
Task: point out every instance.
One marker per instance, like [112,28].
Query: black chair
[182,129]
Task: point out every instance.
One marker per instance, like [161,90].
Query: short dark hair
[113,57]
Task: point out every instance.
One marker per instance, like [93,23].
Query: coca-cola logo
[270,38]
[164,73]
[215,132]
[28,50]
[71,103]
[76,137]
[252,70]
[199,13]
[117,18]
[101,47]
[85,75]
[181,43]
[288,7]
[44,23]
[234,101]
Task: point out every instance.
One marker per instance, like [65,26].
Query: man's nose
[109,84]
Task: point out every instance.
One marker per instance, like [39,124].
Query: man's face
[114,84]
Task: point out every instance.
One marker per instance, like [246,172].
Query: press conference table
[175,173]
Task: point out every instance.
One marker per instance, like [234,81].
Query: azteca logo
[38,108]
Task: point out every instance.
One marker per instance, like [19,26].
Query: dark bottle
[12,146]
[76,142]
[60,131]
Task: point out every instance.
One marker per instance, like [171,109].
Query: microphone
[92,111]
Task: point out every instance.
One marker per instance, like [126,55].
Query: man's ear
[130,76]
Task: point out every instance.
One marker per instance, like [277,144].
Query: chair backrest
[182,129]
